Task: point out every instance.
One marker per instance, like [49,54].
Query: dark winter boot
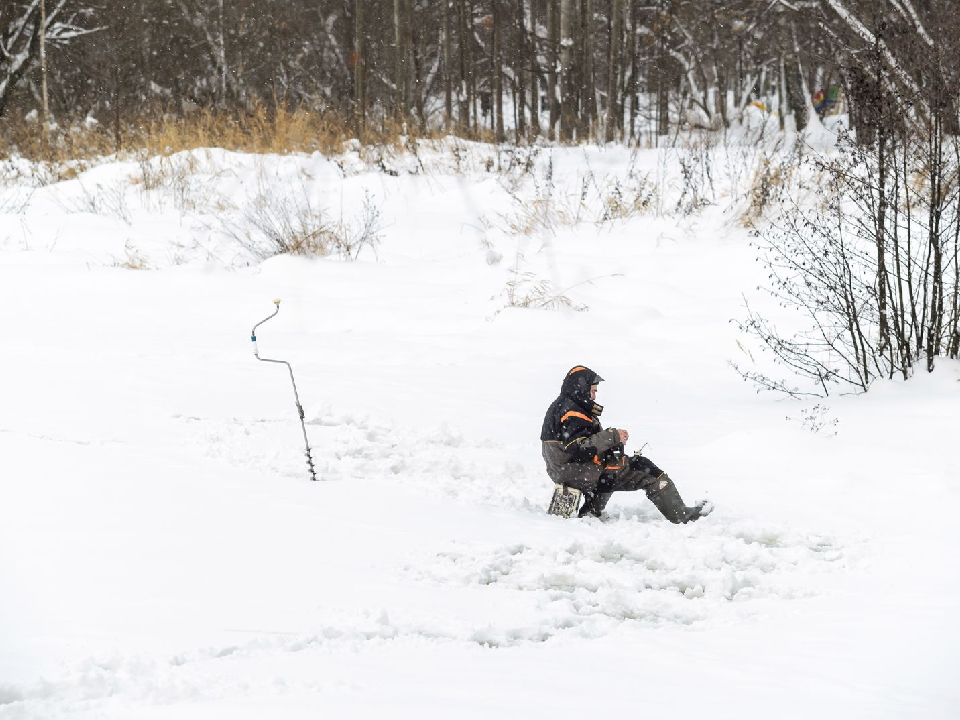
[595,504]
[668,501]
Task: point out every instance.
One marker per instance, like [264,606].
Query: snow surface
[163,554]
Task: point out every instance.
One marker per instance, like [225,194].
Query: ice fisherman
[580,453]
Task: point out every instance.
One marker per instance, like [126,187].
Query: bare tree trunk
[720,75]
[896,292]
[474,96]
[799,89]
[741,89]
[465,86]
[613,77]
[633,86]
[553,76]
[497,72]
[795,94]
[663,95]
[568,84]
[117,37]
[447,74]
[18,42]
[935,323]
[413,89]
[623,74]
[781,92]
[588,94]
[400,58]
[883,151]
[534,56]
[953,349]
[521,55]
[911,290]
[117,100]
[222,49]
[43,62]
[359,68]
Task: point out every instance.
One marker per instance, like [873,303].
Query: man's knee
[627,480]
[646,465]
[657,485]
[583,484]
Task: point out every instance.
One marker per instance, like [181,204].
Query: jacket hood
[577,384]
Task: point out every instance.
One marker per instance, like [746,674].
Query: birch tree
[21,29]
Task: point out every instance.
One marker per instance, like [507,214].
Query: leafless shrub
[351,236]
[44,173]
[526,290]
[817,419]
[696,170]
[177,177]
[153,175]
[109,199]
[626,199]
[775,176]
[133,259]
[295,224]
[533,215]
[543,208]
[15,201]
[285,224]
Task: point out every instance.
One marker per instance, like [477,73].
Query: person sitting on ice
[580,454]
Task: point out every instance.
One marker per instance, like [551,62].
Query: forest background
[516,70]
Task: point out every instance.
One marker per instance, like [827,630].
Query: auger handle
[253,333]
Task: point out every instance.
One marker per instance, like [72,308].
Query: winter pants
[634,473]
[638,473]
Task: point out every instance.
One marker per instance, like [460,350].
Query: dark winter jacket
[576,448]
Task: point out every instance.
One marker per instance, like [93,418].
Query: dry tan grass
[770,181]
[262,130]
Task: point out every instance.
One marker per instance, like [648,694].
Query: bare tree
[520,71]
[553,71]
[613,71]
[402,102]
[497,69]
[535,68]
[466,77]
[23,26]
[568,90]
[359,62]
[447,70]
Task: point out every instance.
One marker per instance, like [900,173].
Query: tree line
[517,69]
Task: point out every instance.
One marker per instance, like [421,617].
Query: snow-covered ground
[163,554]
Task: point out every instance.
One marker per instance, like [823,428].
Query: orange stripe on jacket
[596,461]
[574,413]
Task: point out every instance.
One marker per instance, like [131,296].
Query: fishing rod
[256,352]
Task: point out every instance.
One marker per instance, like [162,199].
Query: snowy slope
[162,553]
